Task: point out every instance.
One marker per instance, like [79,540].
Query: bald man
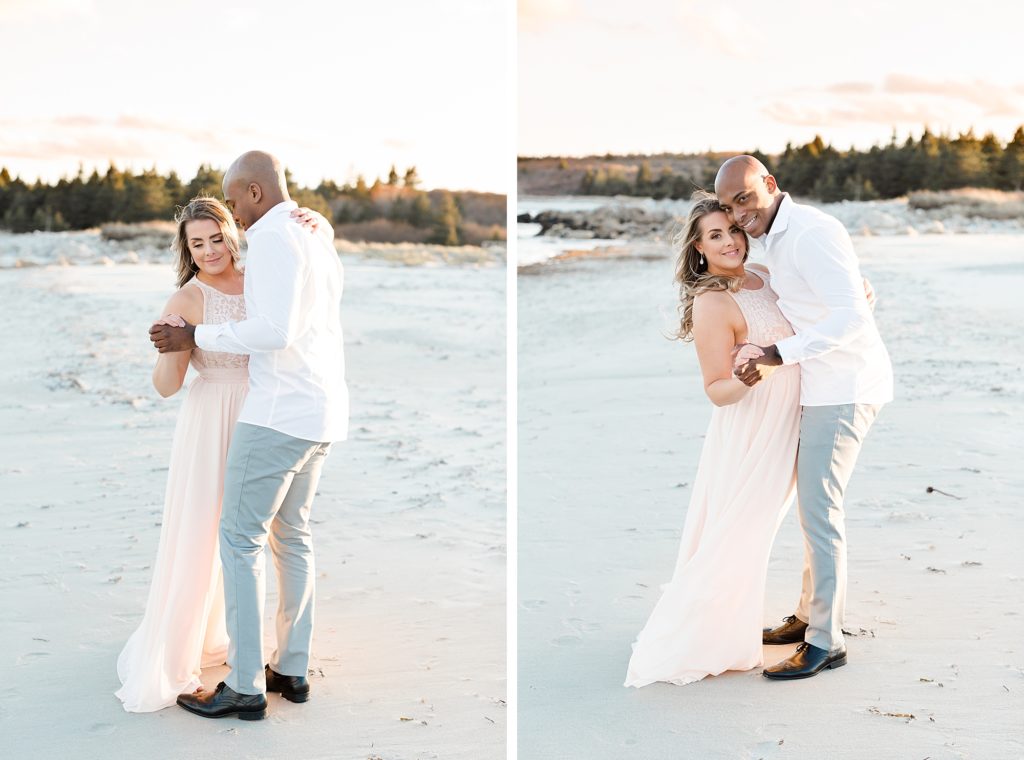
[296,407]
[845,378]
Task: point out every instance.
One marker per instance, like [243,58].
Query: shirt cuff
[786,348]
[204,336]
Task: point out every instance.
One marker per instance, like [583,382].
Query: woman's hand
[306,217]
[869,293]
[744,353]
[174,320]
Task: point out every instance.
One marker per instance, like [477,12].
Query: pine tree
[1010,174]
[447,227]
[420,212]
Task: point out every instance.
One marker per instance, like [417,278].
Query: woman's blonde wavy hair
[201,207]
[692,269]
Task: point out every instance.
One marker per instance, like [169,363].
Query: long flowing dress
[709,617]
[183,627]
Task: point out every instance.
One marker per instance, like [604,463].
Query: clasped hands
[172,333]
[752,364]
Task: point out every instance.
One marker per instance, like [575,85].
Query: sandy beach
[409,527]
[611,422]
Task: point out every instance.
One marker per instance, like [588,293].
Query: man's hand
[756,368]
[168,338]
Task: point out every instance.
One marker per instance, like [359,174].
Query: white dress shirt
[292,331]
[815,273]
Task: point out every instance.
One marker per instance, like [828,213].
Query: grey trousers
[830,440]
[269,486]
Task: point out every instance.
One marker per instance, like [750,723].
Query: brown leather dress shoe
[292,688]
[808,660]
[790,632]
[224,701]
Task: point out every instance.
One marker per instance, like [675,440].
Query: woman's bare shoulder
[715,309]
[186,301]
[189,293]
[712,301]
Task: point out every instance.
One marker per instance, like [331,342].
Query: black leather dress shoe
[790,632]
[224,701]
[808,660]
[292,688]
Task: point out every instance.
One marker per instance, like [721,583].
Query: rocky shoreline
[628,219]
[605,223]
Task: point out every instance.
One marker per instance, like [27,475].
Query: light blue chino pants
[830,441]
[269,486]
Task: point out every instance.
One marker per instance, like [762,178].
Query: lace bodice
[765,323]
[219,307]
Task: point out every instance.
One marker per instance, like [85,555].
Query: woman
[183,628]
[708,619]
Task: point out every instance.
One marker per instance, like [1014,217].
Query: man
[846,377]
[297,405]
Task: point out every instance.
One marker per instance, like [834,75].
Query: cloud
[88,148]
[538,15]
[643,18]
[125,138]
[886,112]
[843,88]
[899,99]
[993,99]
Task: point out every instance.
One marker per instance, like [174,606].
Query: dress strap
[764,276]
[204,290]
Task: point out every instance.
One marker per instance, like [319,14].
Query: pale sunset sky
[648,76]
[333,88]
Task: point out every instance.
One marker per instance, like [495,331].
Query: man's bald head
[748,193]
[253,184]
[739,166]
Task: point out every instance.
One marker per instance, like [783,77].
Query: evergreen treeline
[118,195]
[818,170]
[398,199]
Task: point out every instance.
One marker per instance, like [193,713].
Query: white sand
[409,525]
[612,417]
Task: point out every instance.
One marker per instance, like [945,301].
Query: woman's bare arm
[170,369]
[717,327]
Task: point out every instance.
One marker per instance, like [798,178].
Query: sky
[333,88]
[650,76]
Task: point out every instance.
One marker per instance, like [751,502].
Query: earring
[702,259]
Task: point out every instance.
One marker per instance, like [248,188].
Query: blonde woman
[708,619]
[183,628]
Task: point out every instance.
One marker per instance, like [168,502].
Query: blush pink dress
[709,617]
[183,629]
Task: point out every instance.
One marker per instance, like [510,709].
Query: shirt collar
[284,207]
[781,220]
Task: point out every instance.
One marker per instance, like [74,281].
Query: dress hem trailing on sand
[709,617]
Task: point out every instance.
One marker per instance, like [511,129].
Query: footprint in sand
[771,748]
[568,640]
[30,657]
[581,626]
